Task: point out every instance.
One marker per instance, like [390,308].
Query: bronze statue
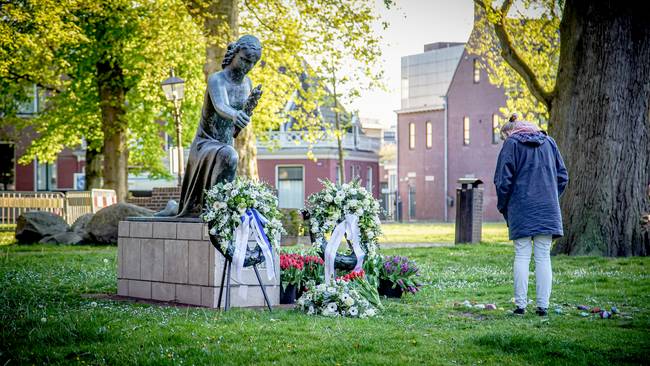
[227,107]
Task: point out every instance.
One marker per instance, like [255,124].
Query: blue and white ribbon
[351,226]
[252,224]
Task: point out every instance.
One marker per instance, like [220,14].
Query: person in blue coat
[530,177]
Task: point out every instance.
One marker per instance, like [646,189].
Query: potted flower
[313,270]
[291,267]
[398,275]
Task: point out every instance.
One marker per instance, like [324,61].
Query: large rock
[102,228]
[35,225]
[80,226]
[67,237]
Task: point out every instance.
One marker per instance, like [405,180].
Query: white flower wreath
[330,206]
[227,203]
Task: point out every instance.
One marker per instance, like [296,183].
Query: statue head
[243,54]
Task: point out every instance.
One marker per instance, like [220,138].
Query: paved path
[415,245]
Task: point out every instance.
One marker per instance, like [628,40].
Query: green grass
[45,319]
[437,233]
[7,234]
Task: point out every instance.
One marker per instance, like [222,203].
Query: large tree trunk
[93,169]
[222,18]
[600,117]
[110,80]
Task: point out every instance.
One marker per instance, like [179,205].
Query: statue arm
[219,98]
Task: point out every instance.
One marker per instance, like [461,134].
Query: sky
[413,23]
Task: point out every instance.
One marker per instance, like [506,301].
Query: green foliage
[533,30]
[306,43]
[292,222]
[48,317]
[57,45]
[60,47]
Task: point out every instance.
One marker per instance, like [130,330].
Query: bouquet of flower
[291,266]
[402,272]
[360,283]
[227,202]
[330,206]
[336,299]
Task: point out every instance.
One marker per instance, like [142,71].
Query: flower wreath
[336,204]
[230,204]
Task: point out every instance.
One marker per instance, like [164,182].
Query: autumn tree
[596,90]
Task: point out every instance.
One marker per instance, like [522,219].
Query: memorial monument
[171,258]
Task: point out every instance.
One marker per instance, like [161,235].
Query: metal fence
[70,205]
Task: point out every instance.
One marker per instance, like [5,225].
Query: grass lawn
[45,319]
[437,232]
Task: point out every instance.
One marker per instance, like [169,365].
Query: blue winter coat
[530,177]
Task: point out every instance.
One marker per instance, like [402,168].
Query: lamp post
[174,88]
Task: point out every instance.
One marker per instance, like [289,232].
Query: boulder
[102,227]
[80,226]
[67,237]
[35,225]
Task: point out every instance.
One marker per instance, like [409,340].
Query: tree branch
[513,58]
[18,77]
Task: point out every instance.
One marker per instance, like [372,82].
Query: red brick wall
[159,198]
[313,171]
[478,101]
[25,177]
[66,166]
[423,161]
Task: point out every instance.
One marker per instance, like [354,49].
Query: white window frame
[277,181]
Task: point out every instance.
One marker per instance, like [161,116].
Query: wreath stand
[227,266]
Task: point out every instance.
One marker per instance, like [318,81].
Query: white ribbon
[350,226]
[252,224]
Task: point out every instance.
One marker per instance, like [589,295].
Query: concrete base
[175,261]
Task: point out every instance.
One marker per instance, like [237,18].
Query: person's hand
[242,120]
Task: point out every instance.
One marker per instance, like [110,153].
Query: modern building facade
[447,129]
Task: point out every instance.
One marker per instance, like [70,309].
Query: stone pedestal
[165,260]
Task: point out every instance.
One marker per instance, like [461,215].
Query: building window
[7,174]
[45,176]
[411,135]
[429,135]
[369,179]
[465,130]
[355,173]
[411,197]
[495,129]
[291,187]
[477,72]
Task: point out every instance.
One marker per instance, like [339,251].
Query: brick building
[447,129]
[286,168]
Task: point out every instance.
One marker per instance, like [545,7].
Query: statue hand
[242,119]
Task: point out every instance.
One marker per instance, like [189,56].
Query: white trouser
[543,273]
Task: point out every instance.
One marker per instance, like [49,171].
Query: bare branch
[514,59]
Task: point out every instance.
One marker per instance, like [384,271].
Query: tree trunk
[93,169]
[110,80]
[600,117]
[222,18]
[246,146]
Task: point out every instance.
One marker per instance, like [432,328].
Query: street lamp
[174,88]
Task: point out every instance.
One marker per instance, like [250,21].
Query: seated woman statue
[212,158]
